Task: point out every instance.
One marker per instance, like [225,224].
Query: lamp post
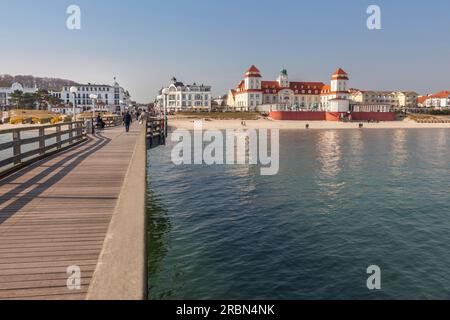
[73,91]
[122,110]
[165,115]
[93,97]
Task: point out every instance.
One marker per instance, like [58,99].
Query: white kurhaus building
[180,97]
[252,93]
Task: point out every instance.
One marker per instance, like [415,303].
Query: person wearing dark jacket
[100,122]
[127,120]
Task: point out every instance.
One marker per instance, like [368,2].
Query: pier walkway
[57,213]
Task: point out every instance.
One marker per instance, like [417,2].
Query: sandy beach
[295,125]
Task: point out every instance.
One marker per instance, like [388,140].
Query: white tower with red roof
[252,79]
[339,81]
[249,94]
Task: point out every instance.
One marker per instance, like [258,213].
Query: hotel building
[437,100]
[180,97]
[110,98]
[252,92]
[397,99]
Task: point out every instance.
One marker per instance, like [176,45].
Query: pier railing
[112,121]
[155,132]
[22,146]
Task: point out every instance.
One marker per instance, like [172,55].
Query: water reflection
[329,157]
[399,148]
[329,154]
[356,141]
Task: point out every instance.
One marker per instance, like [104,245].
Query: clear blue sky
[146,42]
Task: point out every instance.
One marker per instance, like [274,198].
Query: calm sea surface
[342,201]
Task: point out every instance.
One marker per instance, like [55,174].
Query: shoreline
[188,124]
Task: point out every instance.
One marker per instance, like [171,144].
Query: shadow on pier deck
[84,207]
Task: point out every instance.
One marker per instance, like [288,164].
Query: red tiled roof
[253,69]
[270,84]
[442,95]
[253,72]
[326,89]
[340,72]
[294,86]
[422,99]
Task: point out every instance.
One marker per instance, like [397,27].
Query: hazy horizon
[145,43]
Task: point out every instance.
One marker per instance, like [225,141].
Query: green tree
[41,98]
[28,100]
[16,98]
[45,100]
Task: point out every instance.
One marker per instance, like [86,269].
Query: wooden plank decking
[55,214]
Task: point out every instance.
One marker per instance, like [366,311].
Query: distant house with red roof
[438,100]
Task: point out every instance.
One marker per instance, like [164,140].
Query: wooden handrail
[154,130]
[75,130]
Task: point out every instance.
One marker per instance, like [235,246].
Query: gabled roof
[253,69]
[422,99]
[253,72]
[340,72]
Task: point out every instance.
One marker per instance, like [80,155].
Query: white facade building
[5,93]
[438,100]
[112,99]
[179,97]
[254,94]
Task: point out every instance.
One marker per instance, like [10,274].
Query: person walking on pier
[127,120]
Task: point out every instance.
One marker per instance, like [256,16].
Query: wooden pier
[82,207]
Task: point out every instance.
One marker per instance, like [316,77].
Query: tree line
[41,99]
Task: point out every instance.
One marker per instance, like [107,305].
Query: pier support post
[16,147]
[42,140]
